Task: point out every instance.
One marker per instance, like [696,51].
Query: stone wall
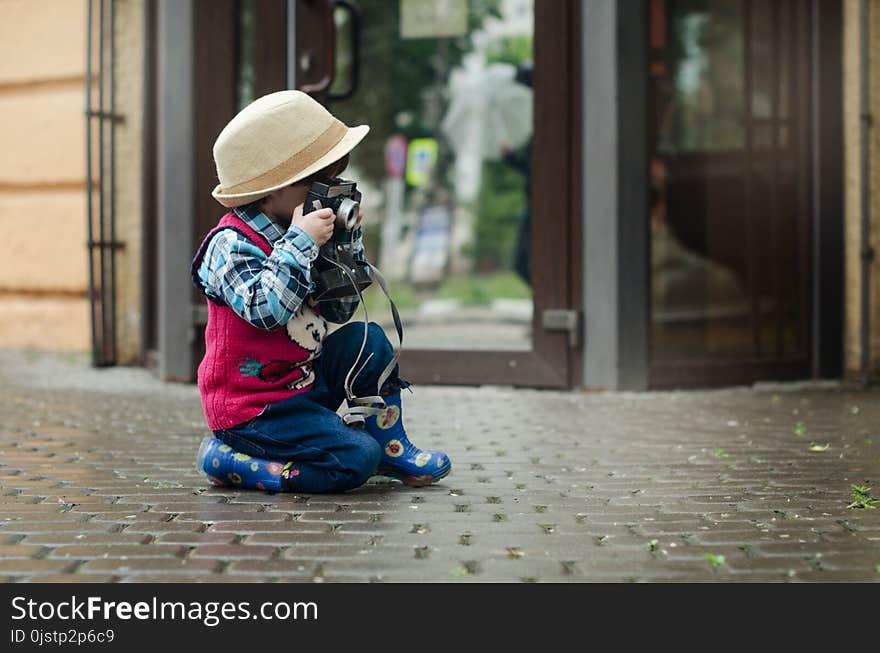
[43,275]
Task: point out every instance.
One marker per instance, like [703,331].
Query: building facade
[667,193]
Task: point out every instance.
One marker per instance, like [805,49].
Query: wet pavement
[97,483]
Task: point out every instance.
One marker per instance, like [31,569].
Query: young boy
[272,379]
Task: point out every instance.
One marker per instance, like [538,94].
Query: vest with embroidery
[245,368]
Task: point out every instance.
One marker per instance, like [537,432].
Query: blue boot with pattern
[225,466]
[401,459]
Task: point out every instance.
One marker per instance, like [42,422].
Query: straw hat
[275,141]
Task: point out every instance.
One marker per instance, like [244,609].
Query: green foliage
[400,79]
[861,495]
[499,208]
[703,57]
[402,90]
[403,294]
[471,291]
[715,560]
[513,50]
[504,191]
[483,289]
[245,89]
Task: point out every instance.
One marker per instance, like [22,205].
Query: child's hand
[317,224]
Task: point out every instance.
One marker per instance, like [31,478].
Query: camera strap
[359,408]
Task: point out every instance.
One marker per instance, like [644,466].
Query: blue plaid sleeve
[264,291]
[340,311]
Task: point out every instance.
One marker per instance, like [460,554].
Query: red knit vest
[245,368]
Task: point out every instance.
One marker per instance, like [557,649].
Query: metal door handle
[329,51]
[354,16]
[566,320]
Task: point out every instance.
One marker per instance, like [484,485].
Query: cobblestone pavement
[97,483]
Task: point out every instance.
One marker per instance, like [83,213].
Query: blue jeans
[329,455]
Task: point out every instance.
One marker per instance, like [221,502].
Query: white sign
[421,19]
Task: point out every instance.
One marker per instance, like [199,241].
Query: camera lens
[347,214]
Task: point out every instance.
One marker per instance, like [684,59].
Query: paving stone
[211,504]
[28,510]
[27,527]
[30,566]
[324,552]
[137,517]
[8,551]
[288,538]
[147,565]
[162,527]
[65,499]
[735,537]
[234,552]
[213,515]
[299,567]
[192,578]
[194,539]
[108,508]
[843,576]
[118,551]
[276,526]
[66,579]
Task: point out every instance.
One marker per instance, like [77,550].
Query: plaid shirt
[267,291]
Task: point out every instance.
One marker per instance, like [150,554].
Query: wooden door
[489,293]
[731,213]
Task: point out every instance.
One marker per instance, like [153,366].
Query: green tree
[401,80]
[504,190]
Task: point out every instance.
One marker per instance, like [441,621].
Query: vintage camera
[331,282]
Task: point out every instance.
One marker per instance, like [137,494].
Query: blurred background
[562,193]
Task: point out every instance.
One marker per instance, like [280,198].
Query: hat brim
[352,137]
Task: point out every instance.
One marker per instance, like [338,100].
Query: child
[272,379]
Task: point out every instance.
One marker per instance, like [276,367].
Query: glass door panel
[728,166]
[445,171]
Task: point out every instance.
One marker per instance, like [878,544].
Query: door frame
[615,203]
[556,225]
[556,220]
[615,188]
[615,198]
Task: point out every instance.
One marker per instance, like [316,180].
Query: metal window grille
[101,120]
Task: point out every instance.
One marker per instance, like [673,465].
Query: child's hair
[330,172]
